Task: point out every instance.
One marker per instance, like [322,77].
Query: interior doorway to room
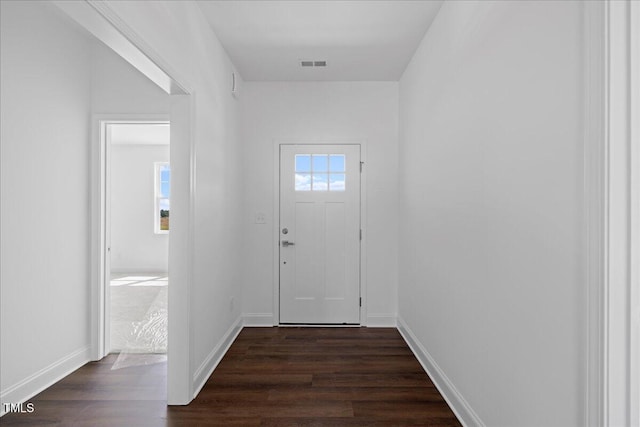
[320,234]
[137,226]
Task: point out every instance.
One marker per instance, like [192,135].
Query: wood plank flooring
[269,377]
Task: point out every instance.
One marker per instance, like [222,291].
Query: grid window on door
[320,172]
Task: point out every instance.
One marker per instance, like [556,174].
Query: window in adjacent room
[162,194]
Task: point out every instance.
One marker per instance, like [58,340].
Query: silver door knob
[286,243]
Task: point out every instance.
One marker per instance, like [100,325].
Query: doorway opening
[136,195]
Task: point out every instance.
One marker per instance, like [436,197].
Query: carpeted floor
[139,313]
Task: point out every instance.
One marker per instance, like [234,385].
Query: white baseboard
[381,321]
[466,415]
[46,377]
[205,370]
[258,319]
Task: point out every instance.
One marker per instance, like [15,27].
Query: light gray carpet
[139,313]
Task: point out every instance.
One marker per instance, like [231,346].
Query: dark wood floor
[269,377]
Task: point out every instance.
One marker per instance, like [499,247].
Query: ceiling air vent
[306,63]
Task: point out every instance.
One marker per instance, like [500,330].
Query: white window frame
[157,166]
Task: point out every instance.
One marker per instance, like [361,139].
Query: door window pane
[303,182]
[320,182]
[336,163]
[320,163]
[336,182]
[303,163]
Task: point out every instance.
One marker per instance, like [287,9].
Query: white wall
[323,112]
[181,37]
[135,246]
[45,103]
[117,88]
[491,282]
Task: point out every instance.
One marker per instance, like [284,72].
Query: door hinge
[360,301]
[361,166]
[361,234]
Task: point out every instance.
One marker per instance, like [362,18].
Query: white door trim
[594,206]
[276,218]
[180,351]
[617,284]
[611,199]
[634,397]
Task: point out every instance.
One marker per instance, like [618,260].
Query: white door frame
[101,152]
[618,286]
[100,20]
[276,219]
[612,186]
[634,397]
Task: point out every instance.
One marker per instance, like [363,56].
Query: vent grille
[309,63]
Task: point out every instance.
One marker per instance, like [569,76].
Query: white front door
[320,234]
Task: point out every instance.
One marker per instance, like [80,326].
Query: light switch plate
[261,218]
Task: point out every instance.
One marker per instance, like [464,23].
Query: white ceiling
[360,40]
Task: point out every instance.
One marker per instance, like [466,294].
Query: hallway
[497,187]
